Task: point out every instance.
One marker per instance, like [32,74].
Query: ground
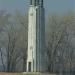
[25,74]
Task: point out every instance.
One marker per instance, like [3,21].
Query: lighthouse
[36,60]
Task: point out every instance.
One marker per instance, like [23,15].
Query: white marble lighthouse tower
[36,61]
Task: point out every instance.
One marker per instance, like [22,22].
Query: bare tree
[15,43]
[4,17]
[58,42]
[23,21]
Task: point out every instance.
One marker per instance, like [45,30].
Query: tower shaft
[36,61]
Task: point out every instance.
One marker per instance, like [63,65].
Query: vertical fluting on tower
[36,2]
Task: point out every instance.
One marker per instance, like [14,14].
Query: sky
[51,6]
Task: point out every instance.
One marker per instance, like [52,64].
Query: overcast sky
[51,6]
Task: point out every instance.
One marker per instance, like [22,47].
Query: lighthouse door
[29,67]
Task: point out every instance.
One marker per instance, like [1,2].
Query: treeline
[60,42]
[13,41]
